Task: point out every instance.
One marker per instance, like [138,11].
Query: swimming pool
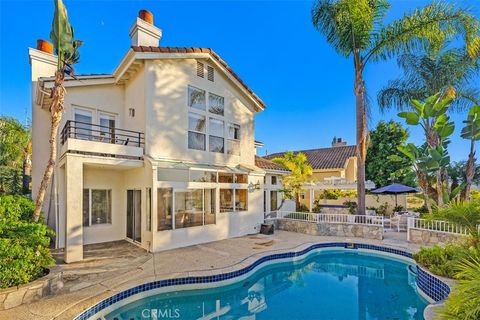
[327,284]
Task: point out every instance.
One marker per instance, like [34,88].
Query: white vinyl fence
[435,225]
[327,218]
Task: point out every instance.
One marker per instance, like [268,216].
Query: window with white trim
[216,132]
[196,131]
[215,104]
[233,144]
[97,206]
[196,98]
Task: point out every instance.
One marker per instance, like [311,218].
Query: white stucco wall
[167,83]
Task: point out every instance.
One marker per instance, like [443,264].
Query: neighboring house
[160,152]
[333,168]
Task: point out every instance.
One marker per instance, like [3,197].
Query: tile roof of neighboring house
[325,158]
[199,50]
[268,165]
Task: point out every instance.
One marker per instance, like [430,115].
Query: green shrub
[334,194]
[24,253]
[302,208]
[443,261]
[352,206]
[464,300]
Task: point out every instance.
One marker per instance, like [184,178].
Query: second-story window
[216,133]
[233,146]
[196,131]
[215,104]
[83,125]
[196,98]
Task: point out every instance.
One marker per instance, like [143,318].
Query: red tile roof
[199,50]
[268,165]
[325,158]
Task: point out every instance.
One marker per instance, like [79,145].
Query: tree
[456,174]
[15,156]
[427,74]
[66,48]
[384,141]
[471,132]
[356,30]
[300,173]
[432,157]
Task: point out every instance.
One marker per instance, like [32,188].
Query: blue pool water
[336,284]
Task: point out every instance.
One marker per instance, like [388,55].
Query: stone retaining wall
[30,292]
[331,229]
[430,237]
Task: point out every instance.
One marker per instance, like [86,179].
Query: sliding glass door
[134,215]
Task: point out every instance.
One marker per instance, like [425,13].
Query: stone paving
[113,267]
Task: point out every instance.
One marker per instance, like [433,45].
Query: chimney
[42,60]
[143,32]
[338,142]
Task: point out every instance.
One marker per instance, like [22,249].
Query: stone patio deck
[113,267]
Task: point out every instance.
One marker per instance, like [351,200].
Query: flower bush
[24,244]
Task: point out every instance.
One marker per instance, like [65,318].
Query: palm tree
[66,48]
[471,132]
[355,28]
[428,74]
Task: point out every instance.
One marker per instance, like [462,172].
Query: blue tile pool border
[432,286]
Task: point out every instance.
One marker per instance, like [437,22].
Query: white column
[73,213]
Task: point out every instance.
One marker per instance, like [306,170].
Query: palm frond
[347,24]
[427,28]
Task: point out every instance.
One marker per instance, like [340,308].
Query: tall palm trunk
[27,168]
[470,170]
[56,110]
[361,132]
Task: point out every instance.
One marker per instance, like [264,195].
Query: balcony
[92,139]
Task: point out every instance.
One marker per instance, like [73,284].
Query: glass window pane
[215,104]
[274,180]
[164,174]
[225,177]
[107,129]
[241,199]
[241,178]
[149,209]
[233,147]
[216,144]
[226,200]
[273,201]
[216,127]
[196,98]
[188,208]
[233,131]
[210,206]
[164,209]
[203,176]
[83,125]
[196,141]
[101,206]
[86,207]
[196,122]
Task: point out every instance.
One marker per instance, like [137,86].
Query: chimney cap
[45,46]
[146,16]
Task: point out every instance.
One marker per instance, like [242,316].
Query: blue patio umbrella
[396,189]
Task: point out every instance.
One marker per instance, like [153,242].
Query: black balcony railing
[94,132]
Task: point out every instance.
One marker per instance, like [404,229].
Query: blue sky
[270,44]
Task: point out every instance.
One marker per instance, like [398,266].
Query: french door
[134,215]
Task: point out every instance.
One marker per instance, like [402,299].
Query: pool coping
[431,287]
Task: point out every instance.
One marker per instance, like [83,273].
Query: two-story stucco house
[160,152]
